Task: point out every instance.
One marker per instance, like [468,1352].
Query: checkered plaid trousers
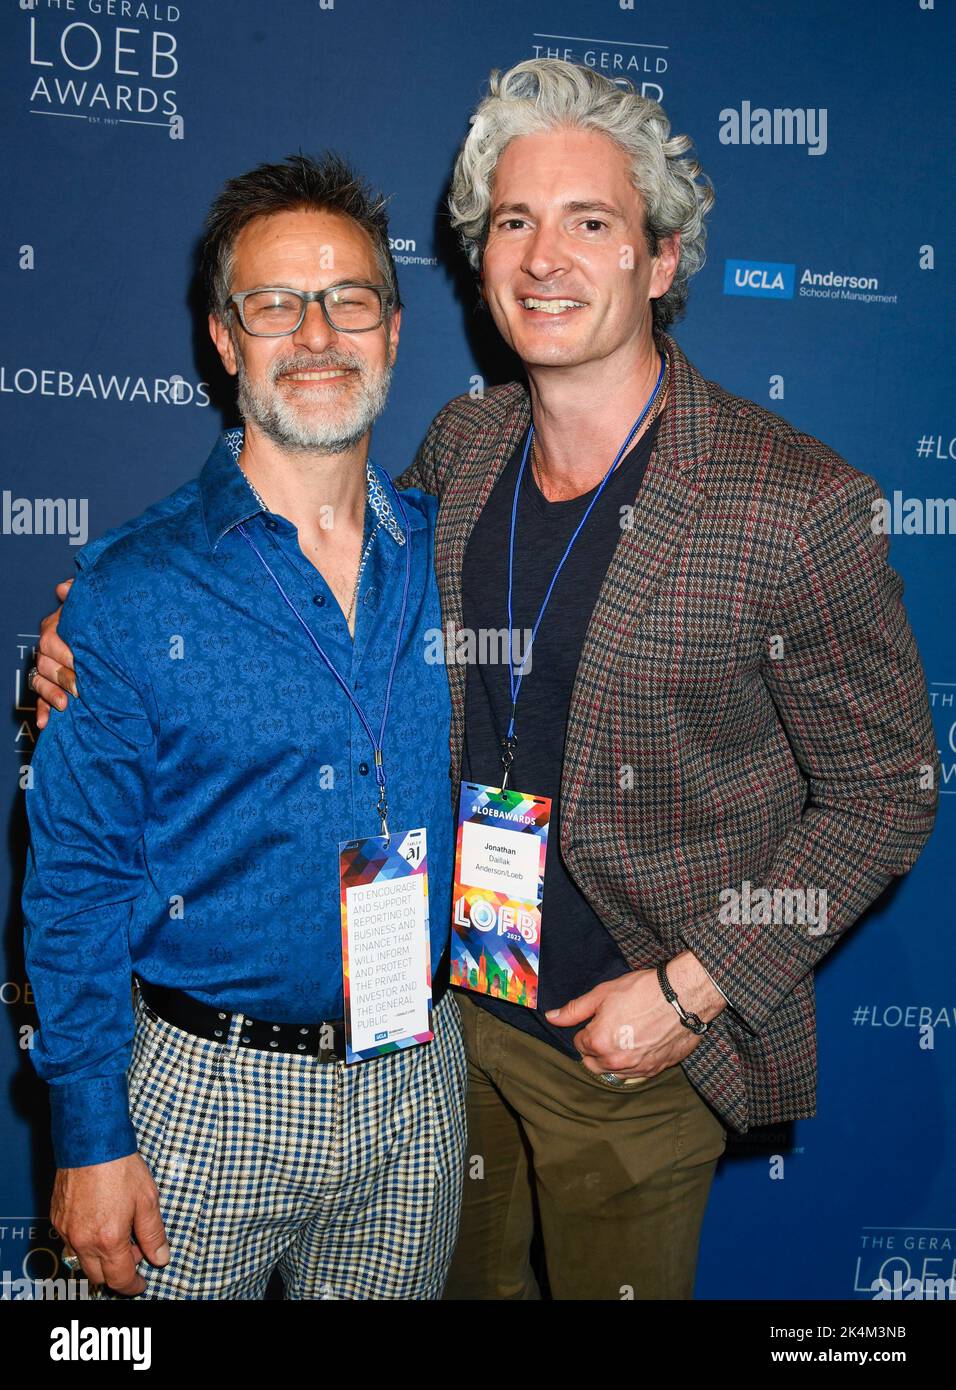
[346,1179]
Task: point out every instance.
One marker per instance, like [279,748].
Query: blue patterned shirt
[187,807]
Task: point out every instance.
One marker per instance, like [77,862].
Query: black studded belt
[326,1040]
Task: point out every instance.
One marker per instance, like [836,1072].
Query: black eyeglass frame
[307,297]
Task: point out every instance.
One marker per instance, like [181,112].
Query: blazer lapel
[664,511]
[463,499]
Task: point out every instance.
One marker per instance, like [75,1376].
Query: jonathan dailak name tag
[386,964]
[499,887]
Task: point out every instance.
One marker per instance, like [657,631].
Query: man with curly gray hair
[544,95]
[725,701]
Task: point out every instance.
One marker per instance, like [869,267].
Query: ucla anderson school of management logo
[779,280]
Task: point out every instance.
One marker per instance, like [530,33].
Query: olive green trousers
[618,1178]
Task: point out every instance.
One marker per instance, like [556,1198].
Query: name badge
[386,961]
[499,886]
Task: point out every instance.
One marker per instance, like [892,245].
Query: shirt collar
[227,498]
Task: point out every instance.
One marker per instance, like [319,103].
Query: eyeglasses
[274,312]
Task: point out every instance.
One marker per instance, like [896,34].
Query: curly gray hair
[546,93]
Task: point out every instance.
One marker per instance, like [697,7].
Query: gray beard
[283,424]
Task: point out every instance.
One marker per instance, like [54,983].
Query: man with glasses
[725,691]
[217,847]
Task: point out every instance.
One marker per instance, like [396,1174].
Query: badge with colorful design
[499,887]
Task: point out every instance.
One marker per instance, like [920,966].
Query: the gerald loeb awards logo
[645,65]
[105,62]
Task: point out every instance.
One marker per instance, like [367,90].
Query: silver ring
[612,1077]
[72,1262]
[31,678]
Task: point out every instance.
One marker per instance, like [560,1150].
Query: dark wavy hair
[325,183]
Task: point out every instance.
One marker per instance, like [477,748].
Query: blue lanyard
[377,744]
[510,739]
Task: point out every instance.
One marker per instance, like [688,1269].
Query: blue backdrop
[123,120]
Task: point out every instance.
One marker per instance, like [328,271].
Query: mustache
[298,363]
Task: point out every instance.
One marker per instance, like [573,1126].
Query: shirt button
[363,769]
[318,600]
[271,523]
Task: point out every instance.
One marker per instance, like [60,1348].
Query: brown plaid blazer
[695,759]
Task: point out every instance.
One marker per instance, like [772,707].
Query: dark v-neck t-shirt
[577,951]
